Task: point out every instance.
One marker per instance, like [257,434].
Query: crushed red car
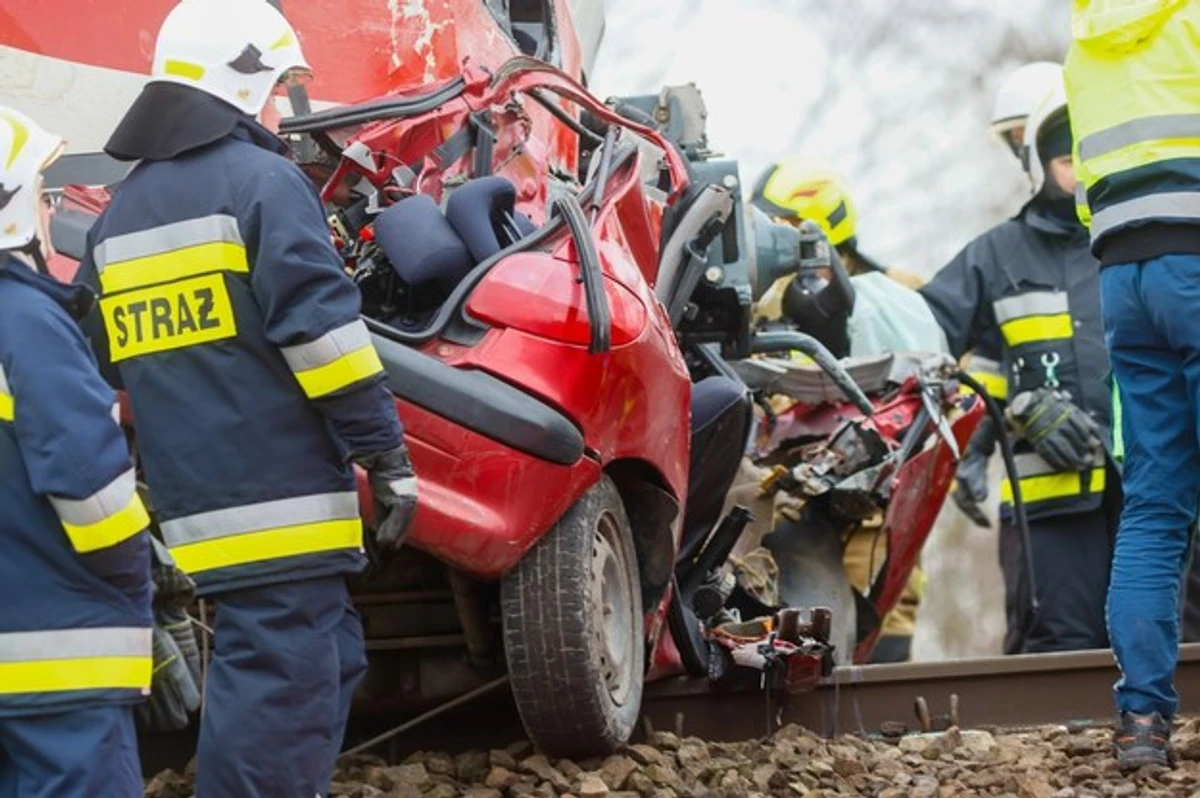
[556,287]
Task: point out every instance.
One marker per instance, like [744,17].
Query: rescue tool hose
[1010,467]
[785,340]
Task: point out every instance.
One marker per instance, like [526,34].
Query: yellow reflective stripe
[83,673]
[6,399]
[268,544]
[346,370]
[183,69]
[1037,328]
[995,384]
[1053,486]
[121,525]
[213,256]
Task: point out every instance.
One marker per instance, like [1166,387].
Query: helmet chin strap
[33,251]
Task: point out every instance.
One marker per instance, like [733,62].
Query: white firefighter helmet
[235,50]
[1017,96]
[1050,111]
[25,152]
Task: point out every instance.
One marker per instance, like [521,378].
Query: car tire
[573,630]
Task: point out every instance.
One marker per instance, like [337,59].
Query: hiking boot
[1141,740]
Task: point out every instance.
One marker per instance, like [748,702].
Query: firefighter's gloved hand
[971,488]
[1066,437]
[174,592]
[174,694]
[394,486]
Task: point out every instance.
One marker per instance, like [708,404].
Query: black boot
[1141,740]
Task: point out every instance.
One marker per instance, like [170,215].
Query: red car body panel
[919,490]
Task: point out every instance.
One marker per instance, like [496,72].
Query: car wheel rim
[613,608]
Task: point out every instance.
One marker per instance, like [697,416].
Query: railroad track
[1008,692]
[1005,692]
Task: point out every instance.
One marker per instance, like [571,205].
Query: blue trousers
[1152,329]
[286,660]
[82,753]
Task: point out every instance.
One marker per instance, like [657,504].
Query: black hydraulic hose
[785,340]
[589,269]
[1010,467]
[387,108]
[602,171]
[562,116]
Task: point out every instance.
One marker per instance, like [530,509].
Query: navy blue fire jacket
[226,314]
[75,589]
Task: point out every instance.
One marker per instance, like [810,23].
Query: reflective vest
[1031,287]
[1132,77]
[226,315]
[75,620]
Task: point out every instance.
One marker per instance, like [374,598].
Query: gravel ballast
[1048,762]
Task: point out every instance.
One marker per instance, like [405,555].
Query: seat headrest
[479,212]
[421,244]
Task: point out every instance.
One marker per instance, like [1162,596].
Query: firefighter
[1023,89]
[1034,278]
[226,315]
[799,187]
[1016,98]
[1131,75]
[75,586]
[793,190]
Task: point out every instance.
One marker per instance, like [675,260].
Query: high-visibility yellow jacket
[1132,77]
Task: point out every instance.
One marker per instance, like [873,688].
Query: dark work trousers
[83,753]
[1072,556]
[286,660]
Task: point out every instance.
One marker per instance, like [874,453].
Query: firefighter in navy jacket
[227,317]
[1034,279]
[75,621]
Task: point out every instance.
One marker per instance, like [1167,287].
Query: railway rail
[877,700]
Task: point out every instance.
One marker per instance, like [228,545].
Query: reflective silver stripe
[205,230]
[4,383]
[112,498]
[115,641]
[1169,126]
[1032,465]
[983,364]
[328,348]
[1034,303]
[1178,205]
[1080,193]
[255,517]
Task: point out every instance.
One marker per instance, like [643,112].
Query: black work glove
[174,592]
[174,694]
[971,488]
[175,685]
[394,486]
[1066,437]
